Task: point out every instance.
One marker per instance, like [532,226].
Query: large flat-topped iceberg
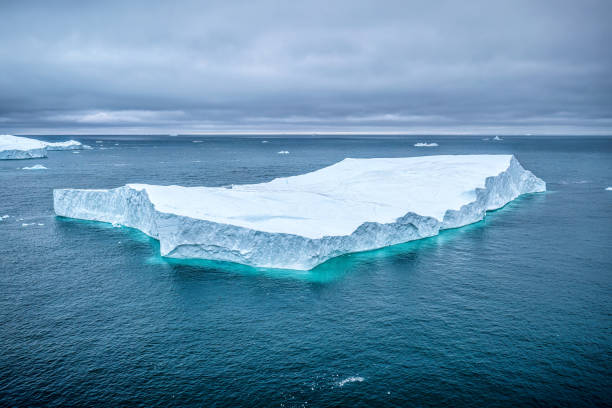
[15,147]
[299,222]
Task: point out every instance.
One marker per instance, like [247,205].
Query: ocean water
[516,309]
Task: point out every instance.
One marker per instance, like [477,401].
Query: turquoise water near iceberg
[516,309]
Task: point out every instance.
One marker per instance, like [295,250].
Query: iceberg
[67,145]
[299,222]
[15,147]
[421,144]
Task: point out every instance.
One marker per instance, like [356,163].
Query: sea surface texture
[513,310]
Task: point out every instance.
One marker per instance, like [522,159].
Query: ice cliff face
[300,222]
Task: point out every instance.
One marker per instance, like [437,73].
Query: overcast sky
[306,66]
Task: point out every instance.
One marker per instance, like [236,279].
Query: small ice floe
[284,152]
[196,161]
[264,141]
[608,188]
[485,139]
[40,225]
[350,380]
[4,217]
[197,141]
[116,144]
[76,152]
[173,134]
[35,167]
[497,138]
[26,224]
[421,144]
[99,141]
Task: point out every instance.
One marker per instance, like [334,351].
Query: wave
[350,380]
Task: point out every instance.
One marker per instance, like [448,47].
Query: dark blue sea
[515,310]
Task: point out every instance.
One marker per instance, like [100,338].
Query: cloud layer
[317,66]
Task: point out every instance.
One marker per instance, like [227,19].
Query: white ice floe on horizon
[283,152]
[264,141]
[608,188]
[497,138]
[99,141]
[350,380]
[299,222]
[4,217]
[197,141]
[422,144]
[35,167]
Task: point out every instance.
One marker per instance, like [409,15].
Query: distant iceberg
[15,147]
[284,152]
[608,188]
[421,144]
[35,167]
[497,138]
[299,222]
[68,145]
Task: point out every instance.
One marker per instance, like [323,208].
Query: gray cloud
[397,66]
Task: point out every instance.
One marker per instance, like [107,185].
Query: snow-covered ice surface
[299,222]
[421,144]
[35,167]
[15,147]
